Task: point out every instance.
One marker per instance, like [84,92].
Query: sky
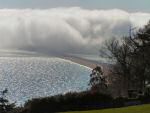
[67,26]
[128,5]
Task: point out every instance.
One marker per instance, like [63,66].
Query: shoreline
[81,61]
[89,63]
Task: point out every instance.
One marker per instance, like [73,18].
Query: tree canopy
[131,55]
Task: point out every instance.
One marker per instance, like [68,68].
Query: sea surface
[32,77]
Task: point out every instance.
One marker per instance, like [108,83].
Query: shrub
[69,101]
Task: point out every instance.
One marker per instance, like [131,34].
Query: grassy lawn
[133,109]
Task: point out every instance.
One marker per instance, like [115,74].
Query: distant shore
[81,61]
[89,63]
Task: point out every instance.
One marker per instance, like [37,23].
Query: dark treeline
[79,101]
[75,102]
[69,102]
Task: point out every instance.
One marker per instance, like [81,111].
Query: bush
[145,99]
[119,102]
[69,101]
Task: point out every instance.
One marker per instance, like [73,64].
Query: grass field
[133,109]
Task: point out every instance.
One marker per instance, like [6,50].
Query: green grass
[132,109]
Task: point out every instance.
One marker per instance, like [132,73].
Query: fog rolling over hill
[64,30]
[30,77]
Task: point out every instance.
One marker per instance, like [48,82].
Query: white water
[31,77]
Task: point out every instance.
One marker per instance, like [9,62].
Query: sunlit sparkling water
[31,77]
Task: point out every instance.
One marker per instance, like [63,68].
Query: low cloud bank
[64,30]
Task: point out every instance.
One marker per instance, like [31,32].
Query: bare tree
[130,56]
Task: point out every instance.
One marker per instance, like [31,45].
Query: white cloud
[64,30]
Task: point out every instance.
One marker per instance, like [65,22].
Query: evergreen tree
[5,106]
[98,80]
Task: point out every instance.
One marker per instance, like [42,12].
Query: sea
[34,77]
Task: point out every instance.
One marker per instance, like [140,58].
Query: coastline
[89,63]
[81,61]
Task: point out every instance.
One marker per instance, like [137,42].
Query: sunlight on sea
[31,77]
